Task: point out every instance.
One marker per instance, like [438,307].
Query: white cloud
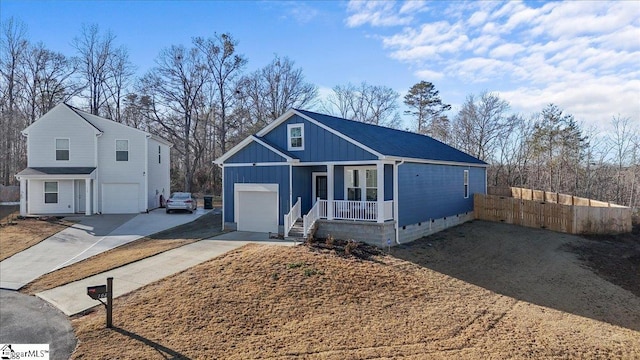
[506,50]
[581,55]
[375,13]
[429,75]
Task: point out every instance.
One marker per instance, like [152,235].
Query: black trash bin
[208,202]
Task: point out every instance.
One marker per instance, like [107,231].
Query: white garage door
[257,207]
[120,198]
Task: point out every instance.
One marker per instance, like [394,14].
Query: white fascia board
[97,131]
[277,122]
[435,162]
[345,163]
[57,176]
[230,165]
[233,150]
[248,141]
[287,157]
[292,112]
[341,135]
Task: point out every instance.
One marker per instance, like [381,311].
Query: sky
[583,56]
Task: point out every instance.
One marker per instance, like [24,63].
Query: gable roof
[66,107]
[382,141]
[393,142]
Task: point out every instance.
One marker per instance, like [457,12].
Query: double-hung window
[50,192]
[466,184]
[361,181]
[122,150]
[295,137]
[159,154]
[62,149]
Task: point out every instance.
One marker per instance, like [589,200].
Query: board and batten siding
[319,144]
[254,153]
[65,203]
[303,184]
[158,179]
[62,123]
[256,175]
[429,191]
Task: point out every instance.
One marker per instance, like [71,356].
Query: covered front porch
[346,192]
[50,190]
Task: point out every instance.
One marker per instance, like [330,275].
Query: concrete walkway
[90,236]
[72,298]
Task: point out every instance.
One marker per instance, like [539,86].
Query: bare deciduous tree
[480,123]
[175,87]
[371,104]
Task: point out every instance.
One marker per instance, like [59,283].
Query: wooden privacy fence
[553,211]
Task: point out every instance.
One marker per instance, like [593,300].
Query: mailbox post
[100,292]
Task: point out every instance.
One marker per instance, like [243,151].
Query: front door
[80,196]
[319,187]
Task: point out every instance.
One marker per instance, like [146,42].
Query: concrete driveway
[72,298]
[90,236]
[29,320]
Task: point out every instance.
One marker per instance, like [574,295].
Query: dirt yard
[480,290]
[19,234]
[204,227]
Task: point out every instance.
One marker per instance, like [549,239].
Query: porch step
[297,231]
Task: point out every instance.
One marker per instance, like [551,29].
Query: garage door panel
[257,211]
[120,198]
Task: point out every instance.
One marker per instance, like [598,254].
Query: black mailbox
[97,292]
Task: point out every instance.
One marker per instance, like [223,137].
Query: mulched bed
[344,248]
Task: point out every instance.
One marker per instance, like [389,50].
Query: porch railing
[311,218]
[355,210]
[291,218]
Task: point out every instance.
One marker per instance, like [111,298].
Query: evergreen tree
[428,110]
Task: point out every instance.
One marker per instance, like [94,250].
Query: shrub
[329,241]
[350,247]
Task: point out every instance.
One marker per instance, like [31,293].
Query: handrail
[311,218]
[291,217]
[356,210]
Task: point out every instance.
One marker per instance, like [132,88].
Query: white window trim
[465,180]
[44,192]
[55,145]
[362,180]
[116,150]
[292,126]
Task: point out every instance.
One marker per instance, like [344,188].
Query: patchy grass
[259,302]
[204,227]
[18,234]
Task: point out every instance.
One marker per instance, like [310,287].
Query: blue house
[348,179]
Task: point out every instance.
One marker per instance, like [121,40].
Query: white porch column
[87,196]
[23,197]
[380,174]
[330,195]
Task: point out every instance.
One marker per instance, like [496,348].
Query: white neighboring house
[81,163]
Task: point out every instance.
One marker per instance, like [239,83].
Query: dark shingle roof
[57,171]
[392,142]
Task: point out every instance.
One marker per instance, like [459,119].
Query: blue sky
[581,55]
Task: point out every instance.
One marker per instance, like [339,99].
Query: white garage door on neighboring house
[256,207]
[120,198]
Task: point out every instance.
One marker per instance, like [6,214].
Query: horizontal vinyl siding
[319,144]
[429,191]
[61,123]
[131,171]
[256,175]
[388,182]
[159,181]
[255,153]
[65,203]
